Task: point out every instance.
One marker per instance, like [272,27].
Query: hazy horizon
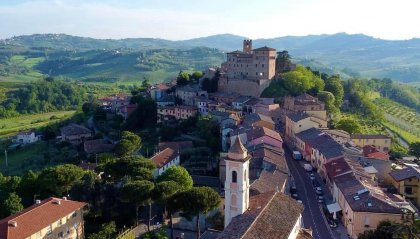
[187,19]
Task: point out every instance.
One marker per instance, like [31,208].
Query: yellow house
[50,218]
[260,120]
[381,142]
[362,205]
[407,182]
[298,122]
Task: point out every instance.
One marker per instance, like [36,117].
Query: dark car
[315,183]
[293,189]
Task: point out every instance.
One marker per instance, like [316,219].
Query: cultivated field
[400,119]
[11,126]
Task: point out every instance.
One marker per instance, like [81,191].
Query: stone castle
[248,72]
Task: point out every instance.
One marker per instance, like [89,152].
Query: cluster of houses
[253,171]
[351,166]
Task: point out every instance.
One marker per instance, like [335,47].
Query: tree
[136,167]
[182,79]
[196,75]
[28,187]
[11,205]
[349,125]
[163,193]
[107,231]
[144,116]
[415,149]
[59,179]
[302,80]
[329,101]
[177,174]
[392,230]
[138,192]
[198,200]
[128,144]
[333,84]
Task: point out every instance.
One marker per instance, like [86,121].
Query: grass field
[10,126]
[17,157]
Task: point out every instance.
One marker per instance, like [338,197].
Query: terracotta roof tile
[237,147]
[271,215]
[37,217]
[164,157]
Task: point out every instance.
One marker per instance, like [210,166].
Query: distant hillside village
[279,168]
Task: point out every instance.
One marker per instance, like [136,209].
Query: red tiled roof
[164,157]
[270,215]
[37,217]
[371,152]
[162,86]
[337,167]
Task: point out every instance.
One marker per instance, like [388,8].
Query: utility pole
[5,155]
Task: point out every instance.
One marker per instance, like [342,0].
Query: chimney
[13,223]
[65,198]
[58,202]
[37,202]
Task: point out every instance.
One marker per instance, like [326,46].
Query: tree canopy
[415,149]
[177,174]
[128,144]
[59,179]
[302,80]
[349,125]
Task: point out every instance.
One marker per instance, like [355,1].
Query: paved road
[312,216]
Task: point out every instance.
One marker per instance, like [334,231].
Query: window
[49,230]
[262,65]
[59,222]
[234,177]
[408,190]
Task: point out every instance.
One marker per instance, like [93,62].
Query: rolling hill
[109,60]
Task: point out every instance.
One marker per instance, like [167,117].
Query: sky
[186,19]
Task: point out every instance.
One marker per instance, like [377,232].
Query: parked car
[319,193]
[295,196]
[312,176]
[320,199]
[307,167]
[293,189]
[315,183]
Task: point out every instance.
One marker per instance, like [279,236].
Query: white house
[26,137]
[165,159]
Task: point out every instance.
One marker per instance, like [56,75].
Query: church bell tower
[237,181]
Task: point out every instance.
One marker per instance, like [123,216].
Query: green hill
[98,59]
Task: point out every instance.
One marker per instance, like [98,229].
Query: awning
[332,208]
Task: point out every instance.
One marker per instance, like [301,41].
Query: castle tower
[247,46]
[237,181]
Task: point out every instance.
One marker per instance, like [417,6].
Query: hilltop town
[215,154]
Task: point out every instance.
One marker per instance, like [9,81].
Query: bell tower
[237,181]
[247,46]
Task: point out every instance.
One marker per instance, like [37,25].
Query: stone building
[250,71]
